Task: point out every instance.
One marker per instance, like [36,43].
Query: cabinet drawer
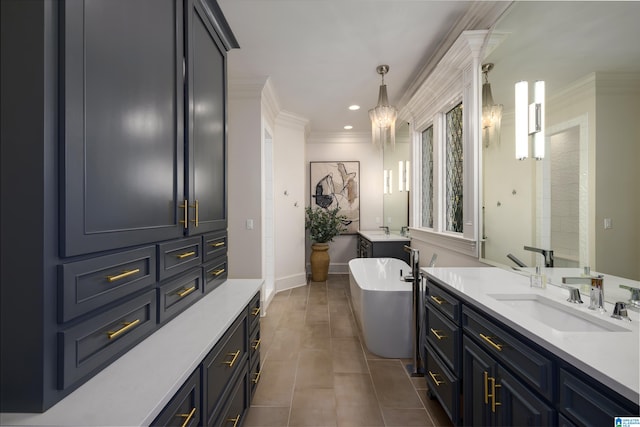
[518,356]
[184,408]
[234,411]
[92,283]
[91,345]
[177,294]
[227,358]
[178,255]
[254,345]
[444,336]
[588,405]
[443,301]
[443,384]
[215,273]
[214,245]
[254,312]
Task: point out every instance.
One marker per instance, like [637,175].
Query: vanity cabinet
[387,248]
[118,182]
[484,373]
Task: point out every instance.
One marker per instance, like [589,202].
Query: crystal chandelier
[491,113]
[383,116]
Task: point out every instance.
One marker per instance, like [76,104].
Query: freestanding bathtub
[382,305]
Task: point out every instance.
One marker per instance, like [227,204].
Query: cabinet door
[122,120]
[206,113]
[518,405]
[478,369]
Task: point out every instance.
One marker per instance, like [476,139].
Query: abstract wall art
[337,184]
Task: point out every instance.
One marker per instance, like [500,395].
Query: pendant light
[383,116]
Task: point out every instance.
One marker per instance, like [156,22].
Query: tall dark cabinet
[113,181]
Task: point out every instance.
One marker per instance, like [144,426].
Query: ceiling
[321,55]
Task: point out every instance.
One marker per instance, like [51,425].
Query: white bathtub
[382,305]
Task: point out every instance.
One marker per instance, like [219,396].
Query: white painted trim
[453,242]
[290,282]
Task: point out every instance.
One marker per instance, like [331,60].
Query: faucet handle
[620,311]
[574,295]
[634,300]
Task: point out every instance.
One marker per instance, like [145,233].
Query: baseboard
[290,282]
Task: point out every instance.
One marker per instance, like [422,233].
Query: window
[454,176]
[427,178]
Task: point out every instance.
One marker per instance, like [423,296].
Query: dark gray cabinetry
[184,409]
[205,124]
[382,249]
[105,112]
[121,129]
[485,373]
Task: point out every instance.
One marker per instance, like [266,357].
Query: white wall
[289,200]
[349,147]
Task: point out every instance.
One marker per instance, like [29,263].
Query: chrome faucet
[386,229]
[546,253]
[634,300]
[404,230]
[596,296]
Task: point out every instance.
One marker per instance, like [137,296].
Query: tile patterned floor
[316,371]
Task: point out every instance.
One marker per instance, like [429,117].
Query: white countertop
[379,236]
[135,388]
[611,357]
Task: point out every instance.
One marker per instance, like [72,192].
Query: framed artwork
[337,184]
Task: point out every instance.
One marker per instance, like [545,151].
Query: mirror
[397,169]
[583,199]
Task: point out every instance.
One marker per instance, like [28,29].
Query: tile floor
[317,372]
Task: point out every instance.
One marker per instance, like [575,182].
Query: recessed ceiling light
[347,127]
[354,107]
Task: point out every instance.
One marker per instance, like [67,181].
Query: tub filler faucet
[596,295]
[416,369]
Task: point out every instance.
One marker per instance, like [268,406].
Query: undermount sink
[555,314]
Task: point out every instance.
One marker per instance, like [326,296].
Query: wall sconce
[383,116]
[491,113]
[530,120]
[388,182]
[403,175]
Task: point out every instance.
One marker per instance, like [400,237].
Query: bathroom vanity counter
[380,236]
[377,244]
[607,350]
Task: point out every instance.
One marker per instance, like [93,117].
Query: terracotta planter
[319,260]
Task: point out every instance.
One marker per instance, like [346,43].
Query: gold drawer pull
[186,255]
[255,311]
[257,344]
[186,292]
[437,334]
[126,327]
[187,416]
[196,207]
[435,380]
[257,378]
[232,361]
[494,345]
[493,395]
[122,275]
[234,420]
[217,272]
[437,300]
[217,244]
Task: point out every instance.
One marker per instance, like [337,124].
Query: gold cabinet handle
[486,388]
[217,272]
[233,360]
[255,311]
[257,378]
[493,344]
[185,210]
[122,275]
[185,292]
[437,334]
[195,205]
[126,327]
[234,420]
[494,386]
[435,380]
[216,244]
[187,416]
[186,255]
[256,344]
[437,300]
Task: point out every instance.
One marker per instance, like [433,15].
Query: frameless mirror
[396,186]
[583,199]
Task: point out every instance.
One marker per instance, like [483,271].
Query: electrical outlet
[608,223]
[249,224]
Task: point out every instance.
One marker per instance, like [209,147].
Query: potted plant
[323,226]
